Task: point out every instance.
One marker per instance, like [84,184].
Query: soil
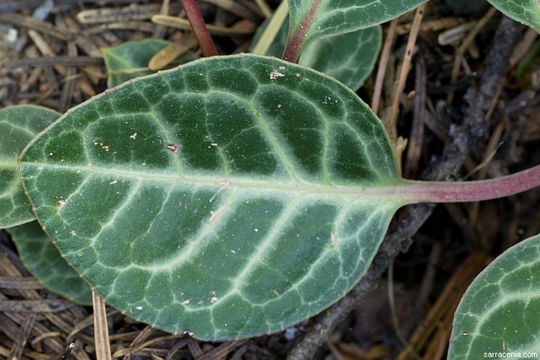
[488,127]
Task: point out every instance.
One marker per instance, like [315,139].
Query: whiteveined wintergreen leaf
[229,197]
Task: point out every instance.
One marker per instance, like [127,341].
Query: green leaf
[42,258]
[525,11]
[230,197]
[133,55]
[18,125]
[312,19]
[349,57]
[500,310]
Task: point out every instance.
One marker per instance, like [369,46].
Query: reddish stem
[292,50]
[198,27]
[442,192]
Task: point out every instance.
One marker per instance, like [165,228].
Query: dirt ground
[484,124]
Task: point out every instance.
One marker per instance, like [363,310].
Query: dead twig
[463,47]
[183,24]
[383,63]
[101,329]
[391,125]
[52,61]
[414,150]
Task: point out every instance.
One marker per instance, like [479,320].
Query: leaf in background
[133,55]
[230,197]
[312,19]
[42,258]
[499,312]
[18,125]
[525,11]
[349,57]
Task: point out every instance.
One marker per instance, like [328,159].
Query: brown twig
[183,24]
[463,47]
[38,25]
[101,329]
[383,63]
[234,7]
[51,61]
[391,125]
[414,150]
[222,350]
[22,337]
[9,282]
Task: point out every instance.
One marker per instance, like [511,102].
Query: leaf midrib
[384,191]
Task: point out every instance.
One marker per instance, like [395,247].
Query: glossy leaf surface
[499,312]
[231,197]
[133,55]
[349,57]
[525,11]
[312,19]
[18,125]
[42,258]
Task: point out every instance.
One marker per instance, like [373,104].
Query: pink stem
[292,50]
[198,27]
[443,192]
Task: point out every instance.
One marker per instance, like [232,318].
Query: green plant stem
[198,27]
[295,44]
[444,192]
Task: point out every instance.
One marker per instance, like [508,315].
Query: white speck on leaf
[185,302]
[213,299]
[173,147]
[113,182]
[232,251]
[275,292]
[333,239]
[214,144]
[275,74]
[61,203]
[139,307]
[133,136]
[328,100]
[51,154]
[224,184]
